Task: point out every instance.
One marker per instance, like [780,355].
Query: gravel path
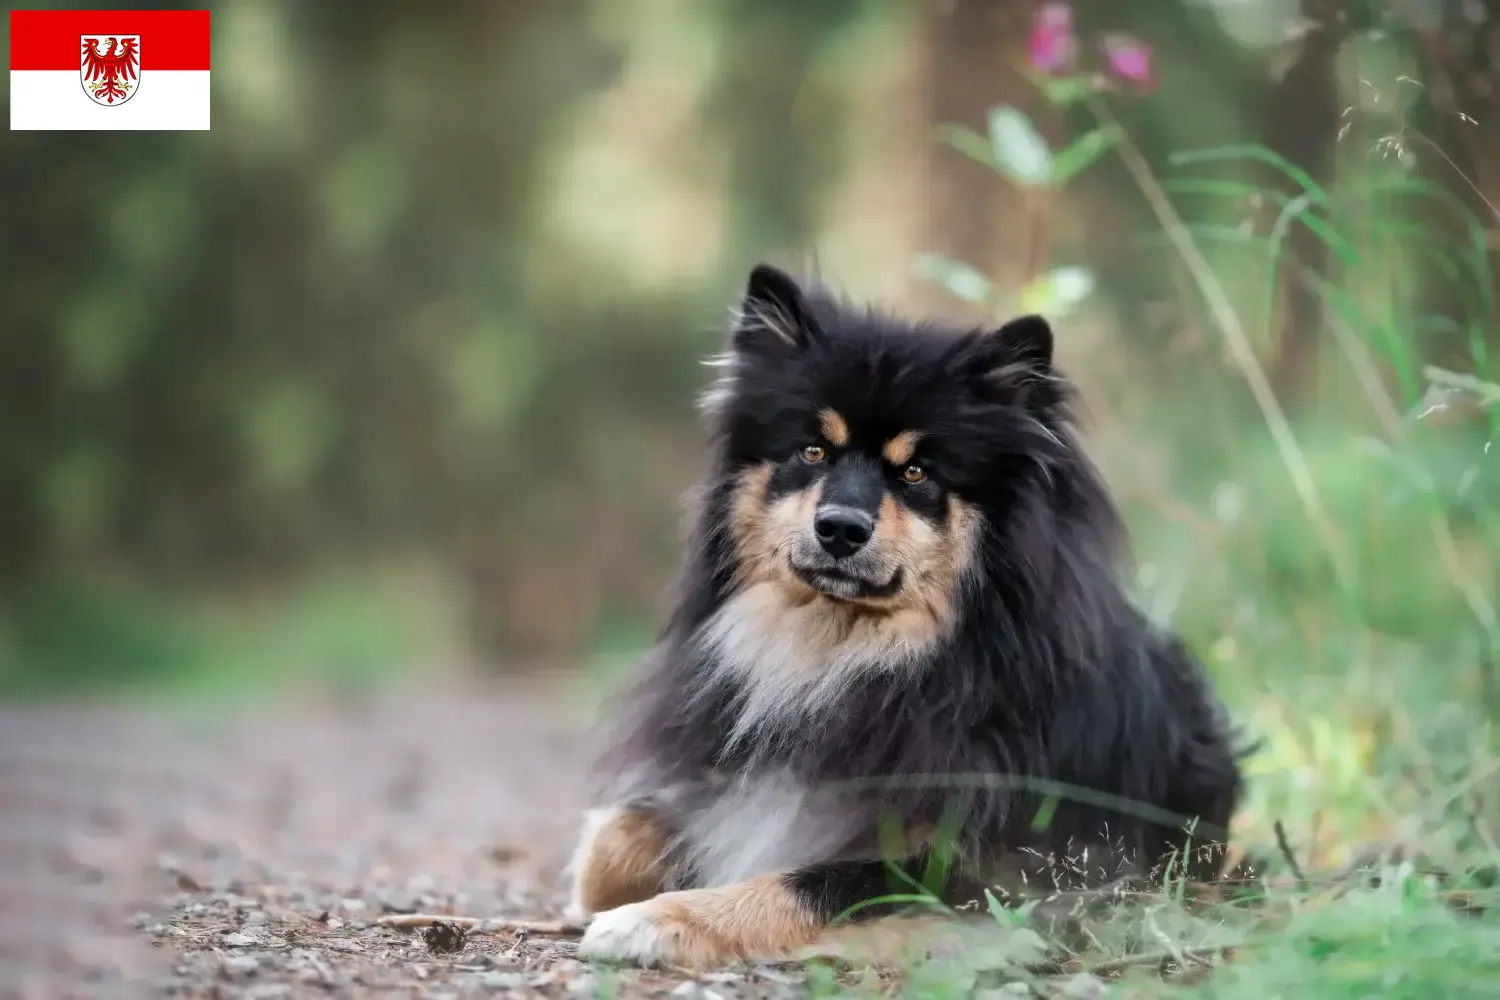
[250,853]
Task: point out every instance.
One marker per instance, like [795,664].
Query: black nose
[843,531]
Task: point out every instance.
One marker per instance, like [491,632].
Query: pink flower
[1052,46]
[1129,59]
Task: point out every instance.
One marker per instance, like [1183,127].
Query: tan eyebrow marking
[835,428]
[900,449]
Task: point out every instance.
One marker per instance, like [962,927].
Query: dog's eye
[813,453]
[913,474]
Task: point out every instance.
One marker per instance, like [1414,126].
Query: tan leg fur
[619,860]
[760,919]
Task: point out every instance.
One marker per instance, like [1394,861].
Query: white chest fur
[794,661]
[767,823]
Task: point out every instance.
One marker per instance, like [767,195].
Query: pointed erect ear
[1015,356]
[774,313]
[1026,342]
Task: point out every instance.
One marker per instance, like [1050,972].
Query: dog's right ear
[774,314]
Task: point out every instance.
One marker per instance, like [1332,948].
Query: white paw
[627,933]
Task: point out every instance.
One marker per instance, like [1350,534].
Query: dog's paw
[639,933]
[754,921]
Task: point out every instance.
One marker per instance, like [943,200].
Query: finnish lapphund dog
[900,636]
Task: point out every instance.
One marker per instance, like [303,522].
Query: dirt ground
[250,853]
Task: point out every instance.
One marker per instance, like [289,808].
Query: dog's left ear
[1024,344]
[774,313]
[1016,356]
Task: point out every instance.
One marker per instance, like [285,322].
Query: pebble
[255,918]
[318,975]
[268,991]
[241,966]
[237,940]
[1010,991]
[1084,987]
[502,980]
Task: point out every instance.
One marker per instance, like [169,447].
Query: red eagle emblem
[111,74]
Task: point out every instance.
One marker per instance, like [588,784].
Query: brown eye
[913,474]
[813,453]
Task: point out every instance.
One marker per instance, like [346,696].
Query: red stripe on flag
[50,39]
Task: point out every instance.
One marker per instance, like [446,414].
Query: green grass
[1425,927]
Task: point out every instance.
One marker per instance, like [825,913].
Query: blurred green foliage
[430,298]
[381,310]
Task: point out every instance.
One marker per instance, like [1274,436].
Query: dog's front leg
[769,918]
[620,858]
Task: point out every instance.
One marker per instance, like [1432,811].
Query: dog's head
[867,454]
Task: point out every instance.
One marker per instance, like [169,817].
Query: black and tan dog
[900,605]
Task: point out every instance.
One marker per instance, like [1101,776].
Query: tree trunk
[975,215]
[1302,127]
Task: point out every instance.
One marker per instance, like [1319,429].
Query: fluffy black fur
[1049,679]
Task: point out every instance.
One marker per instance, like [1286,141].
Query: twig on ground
[1286,852]
[1183,956]
[486,925]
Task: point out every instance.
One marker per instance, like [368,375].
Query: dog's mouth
[844,586]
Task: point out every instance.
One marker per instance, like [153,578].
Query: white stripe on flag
[168,100]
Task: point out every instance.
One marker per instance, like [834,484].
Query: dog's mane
[1041,616]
